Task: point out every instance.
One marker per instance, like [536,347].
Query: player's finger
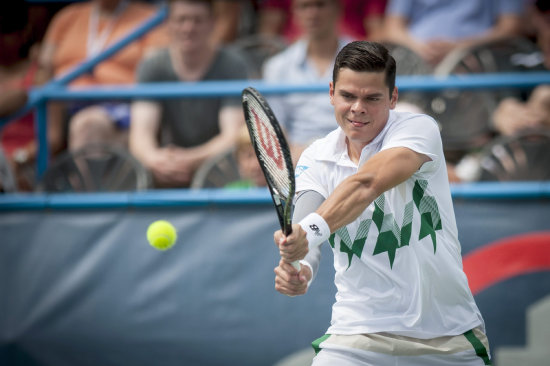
[288,288]
[278,237]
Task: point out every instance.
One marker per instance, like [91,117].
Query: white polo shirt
[398,266]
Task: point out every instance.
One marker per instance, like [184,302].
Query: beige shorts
[384,349]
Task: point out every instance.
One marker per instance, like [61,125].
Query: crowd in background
[204,40]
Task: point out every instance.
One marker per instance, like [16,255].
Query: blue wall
[79,285]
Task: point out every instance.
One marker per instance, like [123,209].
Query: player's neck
[191,66]
[355,149]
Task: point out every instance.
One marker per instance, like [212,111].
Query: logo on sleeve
[299,170]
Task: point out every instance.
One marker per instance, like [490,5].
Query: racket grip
[296,264]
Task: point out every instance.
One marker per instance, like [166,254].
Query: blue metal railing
[255,196]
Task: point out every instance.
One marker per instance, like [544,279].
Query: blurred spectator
[172,137]
[361,19]
[512,115]
[80,31]
[307,116]
[250,171]
[233,19]
[21,30]
[434,28]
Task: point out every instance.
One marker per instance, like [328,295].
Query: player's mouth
[357,123]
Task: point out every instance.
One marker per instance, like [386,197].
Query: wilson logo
[269,143]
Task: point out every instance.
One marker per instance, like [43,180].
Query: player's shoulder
[413,120]
[328,148]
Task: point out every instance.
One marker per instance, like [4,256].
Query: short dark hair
[364,56]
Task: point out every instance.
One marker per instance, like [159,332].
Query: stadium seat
[217,171]
[257,49]
[96,168]
[408,62]
[505,55]
[522,157]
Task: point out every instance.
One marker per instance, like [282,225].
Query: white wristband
[316,228]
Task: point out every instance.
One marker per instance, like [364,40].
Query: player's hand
[290,282]
[294,246]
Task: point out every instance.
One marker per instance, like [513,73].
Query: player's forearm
[348,201]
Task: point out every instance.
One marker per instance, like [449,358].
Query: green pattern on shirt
[391,236]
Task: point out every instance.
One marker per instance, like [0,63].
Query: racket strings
[268,146]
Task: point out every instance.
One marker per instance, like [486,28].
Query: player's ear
[394,97]
[331,92]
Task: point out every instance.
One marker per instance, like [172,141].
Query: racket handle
[296,264]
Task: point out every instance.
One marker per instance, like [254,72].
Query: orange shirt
[68,33]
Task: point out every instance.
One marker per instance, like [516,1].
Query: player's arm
[382,172]
[351,197]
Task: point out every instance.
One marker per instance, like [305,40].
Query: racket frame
[283,204]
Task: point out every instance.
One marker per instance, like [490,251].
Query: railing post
[41,125]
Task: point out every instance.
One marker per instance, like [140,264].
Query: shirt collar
[337,138]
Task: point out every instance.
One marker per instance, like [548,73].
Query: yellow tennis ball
[161,234]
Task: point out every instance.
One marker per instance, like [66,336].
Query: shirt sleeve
[419,133]
[309,173]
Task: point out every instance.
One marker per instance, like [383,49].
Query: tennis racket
[273,154]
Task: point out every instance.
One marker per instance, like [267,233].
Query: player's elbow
[368,186]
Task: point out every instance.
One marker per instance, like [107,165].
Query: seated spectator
[250,171]
[307,116]
[434,29]
[512,115]
[80,31]
[173,137]
[361,19]
[21,28]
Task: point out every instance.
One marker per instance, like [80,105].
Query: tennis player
[377,189]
